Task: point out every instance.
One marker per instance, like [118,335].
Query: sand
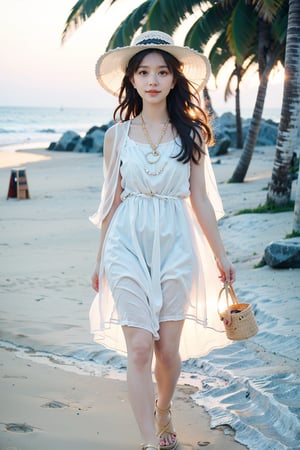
[47,249]
[12,159]
[46,407]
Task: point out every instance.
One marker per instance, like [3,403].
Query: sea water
[37,127]
[32,127]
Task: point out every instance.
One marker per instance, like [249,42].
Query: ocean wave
[27,131]
[46,130]
[84,359]
[243,387]
[4,131]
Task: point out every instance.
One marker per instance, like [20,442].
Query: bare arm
[107,151]
[206,218]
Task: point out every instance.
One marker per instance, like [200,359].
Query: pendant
[152,157]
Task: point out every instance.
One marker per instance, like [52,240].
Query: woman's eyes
[161,72]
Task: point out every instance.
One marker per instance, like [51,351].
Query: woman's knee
[167,354]
[139,347]
[167,347]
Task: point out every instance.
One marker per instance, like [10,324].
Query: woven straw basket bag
[238,318]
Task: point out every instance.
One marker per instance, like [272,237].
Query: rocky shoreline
[224,130]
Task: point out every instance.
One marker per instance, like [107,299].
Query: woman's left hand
[226,269]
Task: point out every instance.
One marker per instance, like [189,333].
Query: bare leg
[139,378]
[167,371]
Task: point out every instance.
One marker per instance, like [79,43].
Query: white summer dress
[156,264]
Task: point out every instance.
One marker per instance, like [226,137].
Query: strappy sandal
[165,429]
[149,446]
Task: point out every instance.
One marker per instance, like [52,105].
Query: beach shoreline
[48,406]
[49,247]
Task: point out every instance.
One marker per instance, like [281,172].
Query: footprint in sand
[19,427]
[55,404]
[192,447]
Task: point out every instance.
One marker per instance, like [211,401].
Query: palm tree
[212,25]
[281,182]
[243,27]
[246,44]
[270,51]
[238,73]
[208,104]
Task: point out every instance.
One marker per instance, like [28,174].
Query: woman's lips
[152,92]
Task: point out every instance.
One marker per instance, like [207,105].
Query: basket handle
[229,292]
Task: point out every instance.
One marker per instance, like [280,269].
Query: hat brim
[111,66]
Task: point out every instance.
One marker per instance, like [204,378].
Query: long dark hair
[183,105]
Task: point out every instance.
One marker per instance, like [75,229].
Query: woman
[160,251]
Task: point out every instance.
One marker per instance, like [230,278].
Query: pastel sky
[36,70]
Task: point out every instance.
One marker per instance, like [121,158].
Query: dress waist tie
[152,194]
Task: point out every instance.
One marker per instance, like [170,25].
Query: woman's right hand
[95,281]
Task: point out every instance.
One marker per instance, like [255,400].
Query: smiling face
[152,79]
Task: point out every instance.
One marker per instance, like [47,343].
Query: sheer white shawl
[205,331]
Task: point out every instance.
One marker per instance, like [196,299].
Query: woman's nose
[152,79]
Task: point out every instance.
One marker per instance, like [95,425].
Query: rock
[225,128]
[267,132]
[51,146]
[228,120]
[67,142]
[221,147]
[283,254]
[104,127]
[92,142]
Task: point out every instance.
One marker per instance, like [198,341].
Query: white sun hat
[111,66]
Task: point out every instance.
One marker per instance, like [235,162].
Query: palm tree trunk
[296,222]
[238,119]
[244,161]
[281,182]
[208,107]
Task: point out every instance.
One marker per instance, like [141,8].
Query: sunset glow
[38,71]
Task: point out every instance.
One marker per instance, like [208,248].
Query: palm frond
[167,15]
[280,23]
[219,54]
[228,91]
[241,38]
[208,25]
[268,9]
[80,12]
[249,61]
[124,33]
